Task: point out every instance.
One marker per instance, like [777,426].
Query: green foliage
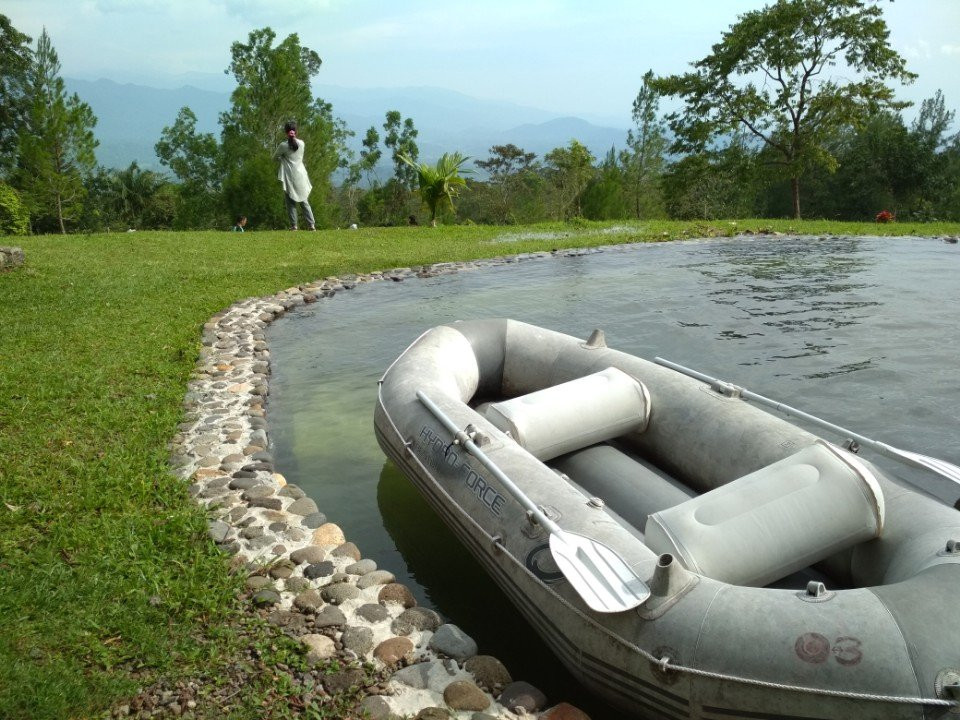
[643,160]
[273,87]
[56,145]
[14,218]
[370,155]
[401,141]
[606,197]
[569,170]
[439,184]
[196,159]
[714,185]
[15,59]
[252,189]
[511,169]
[794,109]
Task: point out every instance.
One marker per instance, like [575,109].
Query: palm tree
[439,183]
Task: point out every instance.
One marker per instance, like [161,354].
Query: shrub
[14,218]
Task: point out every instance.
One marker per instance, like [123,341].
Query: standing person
[241,222]
[293,176]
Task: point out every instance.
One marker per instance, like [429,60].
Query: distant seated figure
[241,221]
[412,220]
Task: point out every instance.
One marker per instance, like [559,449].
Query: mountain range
[131,117]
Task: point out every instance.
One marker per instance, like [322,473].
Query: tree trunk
[63,228]
[795,192]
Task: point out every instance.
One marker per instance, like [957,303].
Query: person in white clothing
[293,176]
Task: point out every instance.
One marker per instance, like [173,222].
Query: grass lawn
[107,580]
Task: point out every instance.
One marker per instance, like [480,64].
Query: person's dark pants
[292,211]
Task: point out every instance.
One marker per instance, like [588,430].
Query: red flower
[885,216]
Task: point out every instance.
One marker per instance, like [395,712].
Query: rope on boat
[901,699]
[663,663]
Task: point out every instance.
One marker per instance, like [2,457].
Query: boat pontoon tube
[775,521]
[574,414]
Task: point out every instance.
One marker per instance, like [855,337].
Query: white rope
[902,699]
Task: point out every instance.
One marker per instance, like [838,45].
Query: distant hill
[131,117]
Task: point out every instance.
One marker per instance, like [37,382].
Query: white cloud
[950,49]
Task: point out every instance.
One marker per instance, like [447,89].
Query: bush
[14,218]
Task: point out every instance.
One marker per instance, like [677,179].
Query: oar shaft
[472,448]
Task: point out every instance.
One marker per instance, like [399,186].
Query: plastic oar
[940,467]
[601,577]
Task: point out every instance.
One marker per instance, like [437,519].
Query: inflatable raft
[684,553]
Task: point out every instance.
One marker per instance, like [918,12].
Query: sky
[567,56]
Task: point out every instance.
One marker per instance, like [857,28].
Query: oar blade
[600,576]
[941,467]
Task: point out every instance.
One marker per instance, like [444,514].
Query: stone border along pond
[303,573]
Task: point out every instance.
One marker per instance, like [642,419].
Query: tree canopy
[15,59]
[56,143]
[771,75]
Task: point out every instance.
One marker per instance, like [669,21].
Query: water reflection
[447,576]
[795,286]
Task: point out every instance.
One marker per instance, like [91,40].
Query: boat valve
[947,687]
[851,445]
[595,341]
[816,592]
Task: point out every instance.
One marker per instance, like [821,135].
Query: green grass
[106,578]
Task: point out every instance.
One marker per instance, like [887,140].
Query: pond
[860,331]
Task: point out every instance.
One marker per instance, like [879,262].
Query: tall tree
[196,160]
[15,60]
[569,170]
[56,143]
[643,161]
[400,139]
[767,75]
[606,195]
[273,87]
[508,165]
[370,155]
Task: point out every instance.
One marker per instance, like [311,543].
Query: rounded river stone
[329,616]
[393,650]
[375,577]
[522,694]
[310,554]
[358,639]
[339,593]
[347,550]
[416,618]
[453,642]
[564,711]
[464,695]
[397,593]
[374,613]
[489,672]
[308,601]
[320,569]
[361,567]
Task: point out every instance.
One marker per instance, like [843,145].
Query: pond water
[860,331]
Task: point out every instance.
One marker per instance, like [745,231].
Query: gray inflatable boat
[684,553]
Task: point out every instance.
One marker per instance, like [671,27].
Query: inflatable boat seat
[772,522]
[575,414]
